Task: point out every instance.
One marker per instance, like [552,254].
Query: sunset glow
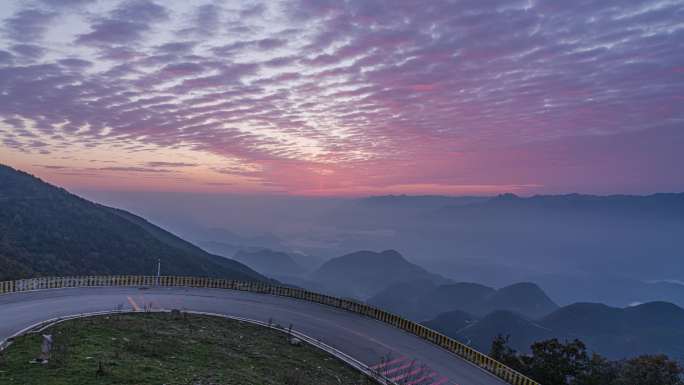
[356,97]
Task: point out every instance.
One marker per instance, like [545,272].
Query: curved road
[367,340]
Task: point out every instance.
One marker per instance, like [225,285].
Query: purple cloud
[358,88]
[125,24]
[271,43]
[134,169]
[75,63]
[111,31]
[61,3]
[28,51]
[184,47]
[255,10]
[140,11]
[5,57]
[181,69]
[171,164]
[28,25]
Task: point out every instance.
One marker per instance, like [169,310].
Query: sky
[345,97]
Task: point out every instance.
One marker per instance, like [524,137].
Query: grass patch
[161,348]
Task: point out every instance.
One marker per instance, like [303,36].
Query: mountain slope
[636,237]
[450,323]
[525,298]
[522,331]
[420,301]
[269,262]
[650,328]
[45,230]
[365,273]
[403,298]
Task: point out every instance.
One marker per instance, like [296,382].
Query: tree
[557,363]
[503,353]
[651,370]
[598,371]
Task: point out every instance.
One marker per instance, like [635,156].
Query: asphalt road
[367,340]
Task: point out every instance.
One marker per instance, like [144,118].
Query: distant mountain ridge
[419,300]
[651,328]
[364,273]
[45,230]
[659,203]
[609,249]
[269,262]
[420,201]
[451,322]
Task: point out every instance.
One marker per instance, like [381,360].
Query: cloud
[183,47]
[111,31]
[5,57]
[66,3]
[270,43]
[255,10]
[171,164]
[180,69]
[75,63]
[28,51]
[347,93]
[28,25]
[125,24]
[141,11]
[134,169]
[208,16]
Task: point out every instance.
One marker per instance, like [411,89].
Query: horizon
[94,193]
[340,99]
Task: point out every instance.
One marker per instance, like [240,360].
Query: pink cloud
[366,96]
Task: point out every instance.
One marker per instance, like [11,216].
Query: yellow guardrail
[480,359]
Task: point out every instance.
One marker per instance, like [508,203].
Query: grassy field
[153,348]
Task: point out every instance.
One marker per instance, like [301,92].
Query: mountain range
[363,274]
[651,328]
[614,249]
[421,299]
[45,230]
[269,262]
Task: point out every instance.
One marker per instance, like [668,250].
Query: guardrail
[465,352]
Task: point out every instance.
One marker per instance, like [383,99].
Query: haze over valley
[613,249]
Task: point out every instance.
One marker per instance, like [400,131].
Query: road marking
[409,374]
[421,379]
[132,302]
[383,364]
[398,368]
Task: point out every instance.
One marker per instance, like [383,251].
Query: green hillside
[47,231]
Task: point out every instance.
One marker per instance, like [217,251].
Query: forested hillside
[45,230]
